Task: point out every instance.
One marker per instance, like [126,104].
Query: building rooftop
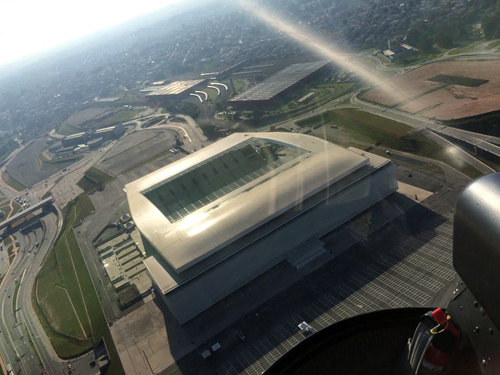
[280,81]
[76,135]
[198,205]
[176,88]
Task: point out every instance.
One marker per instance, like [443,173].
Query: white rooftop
[198,205]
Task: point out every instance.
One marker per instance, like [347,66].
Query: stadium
[218,218]
[270,90]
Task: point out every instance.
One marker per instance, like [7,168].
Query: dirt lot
[413,92]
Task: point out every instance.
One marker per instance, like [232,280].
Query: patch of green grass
[86,207]
[46,195]
[12,182]
[59,311]
[463,49]
[373,129]
[121,116]
[358,121]
[387,125]
[58,270]
[67,129]
[212,94]
[239,85]
[94,179]
[65,278]
[345,101]
[494,44]
[64,160]
[14,297]
[97,175]
[86,185]
[420,58]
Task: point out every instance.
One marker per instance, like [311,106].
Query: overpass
[487,143]
[26,212]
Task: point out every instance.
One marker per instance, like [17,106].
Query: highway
[17,322]
[23,341]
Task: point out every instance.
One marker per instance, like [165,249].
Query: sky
[28,27]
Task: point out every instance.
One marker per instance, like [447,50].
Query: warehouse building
[269,91]
[221,217]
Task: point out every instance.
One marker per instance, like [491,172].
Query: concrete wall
[195,296]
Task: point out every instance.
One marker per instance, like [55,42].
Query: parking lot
[410,274]
[135,149]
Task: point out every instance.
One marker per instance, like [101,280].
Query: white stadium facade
[220,217]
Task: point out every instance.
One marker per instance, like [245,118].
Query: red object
[441,318]
[436,359]
[440,352]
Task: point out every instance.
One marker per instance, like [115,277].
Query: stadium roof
[176,88]
[280,81]
[198,205]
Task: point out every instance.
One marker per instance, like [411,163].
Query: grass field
[212,94]
[353,116]
[67,129]
[464,49]
[119,117]
[64,160]
[239,85]
[97,175]
[12,182]
[494,44]
[64,287]
[93,179]
[369,128]
[323,95]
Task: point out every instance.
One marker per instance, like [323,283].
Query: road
[17,320]
[188,129]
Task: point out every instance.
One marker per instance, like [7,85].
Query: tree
[426,44]
[491,25]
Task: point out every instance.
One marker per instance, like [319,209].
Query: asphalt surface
[19,321]
[25,168]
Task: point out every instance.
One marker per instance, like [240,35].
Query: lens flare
[314,43]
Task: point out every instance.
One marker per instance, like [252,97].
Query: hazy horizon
[55,23]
